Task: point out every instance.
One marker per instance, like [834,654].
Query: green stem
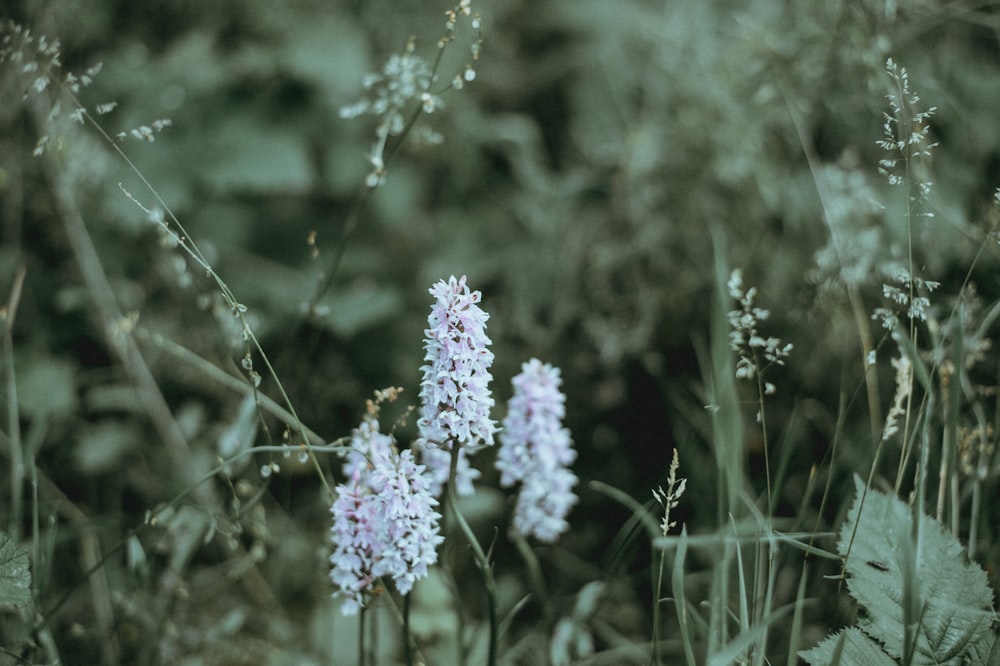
[763,432]
[482,559]
[655,656]
[361,635]
[407,650]
[535,576]
[17,466]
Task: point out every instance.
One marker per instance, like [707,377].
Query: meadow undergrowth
[441,528]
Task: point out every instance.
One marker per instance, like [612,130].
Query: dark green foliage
[15,577]
[608,165]
[890,564]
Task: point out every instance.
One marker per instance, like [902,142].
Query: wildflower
[368,446]
[454,394]
[743,335]
[384,520]
[536,451]
[545,499]
[404,78]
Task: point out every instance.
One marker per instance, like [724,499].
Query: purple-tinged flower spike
[368,446]
[384,520]
[536,450]
[455,397]
[542,504]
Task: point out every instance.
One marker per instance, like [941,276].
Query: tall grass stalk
[724,404]
[859,312]
[15,445]
[668,500]
[762,413]
[680,599]
[795,635]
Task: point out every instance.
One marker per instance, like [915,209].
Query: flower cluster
[455,397]
[906,131]
[404,78]
[36,58]
[384,520]
[536,451]
[906,295]
[35,62]
[743,335]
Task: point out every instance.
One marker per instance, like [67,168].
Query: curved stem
[482,559]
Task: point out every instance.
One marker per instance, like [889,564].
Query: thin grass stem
[16,448]
[481,558]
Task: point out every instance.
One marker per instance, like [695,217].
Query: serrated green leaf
[15,575]
[956,601]
[856,649]
[985,653]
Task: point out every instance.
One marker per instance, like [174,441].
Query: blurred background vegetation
[581,180]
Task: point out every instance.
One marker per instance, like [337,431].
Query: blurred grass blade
[730,653]
[680,600]
[795,636]
[638,510]
[724,408]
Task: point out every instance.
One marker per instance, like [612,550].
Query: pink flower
[536,451]
[384,520]
[454,393]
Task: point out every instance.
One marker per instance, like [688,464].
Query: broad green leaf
[856,649]
[954,600]
[15,576]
